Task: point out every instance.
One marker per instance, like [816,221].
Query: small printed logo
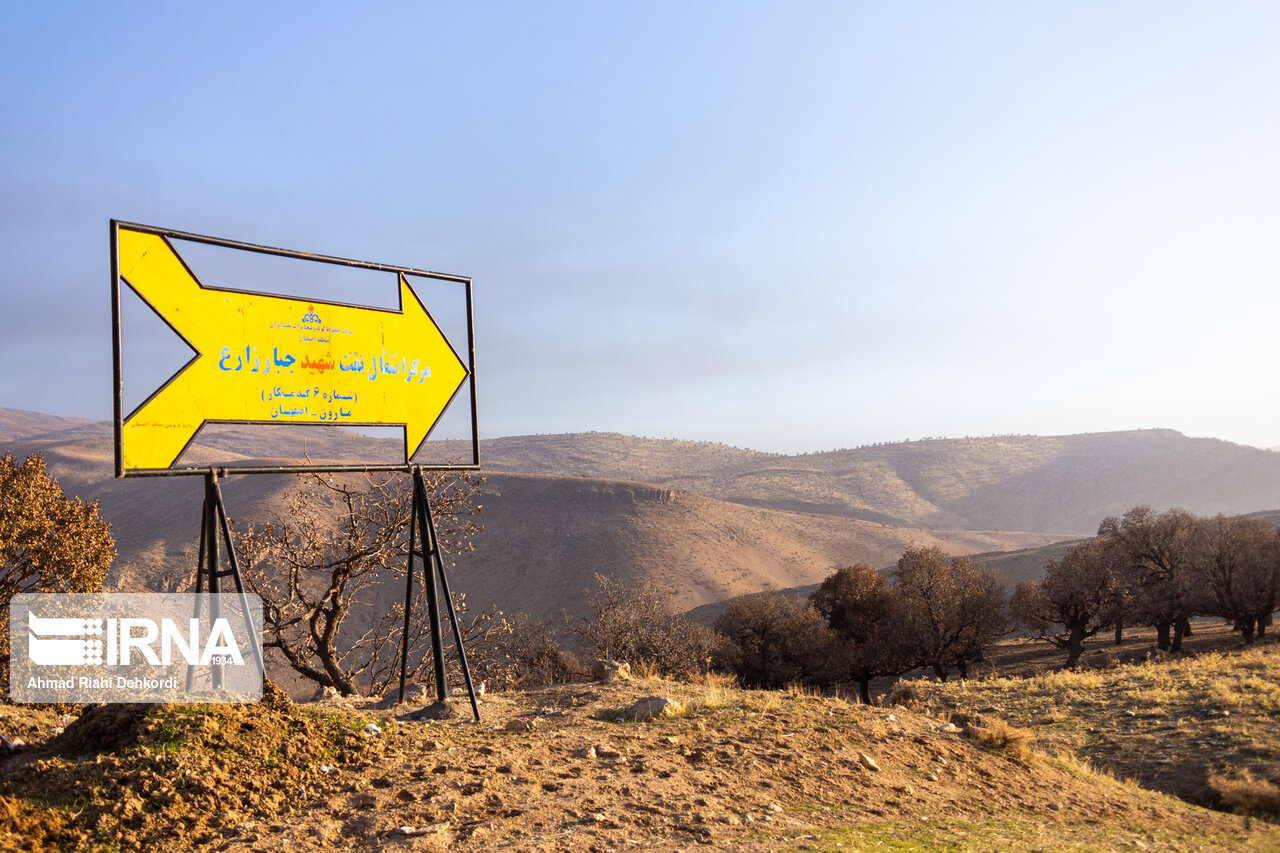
[64,642]
[311,317]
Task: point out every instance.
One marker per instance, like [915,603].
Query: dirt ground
[567,768]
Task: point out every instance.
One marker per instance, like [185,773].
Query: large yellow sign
[272,359]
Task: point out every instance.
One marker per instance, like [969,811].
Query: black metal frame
[422,527]
[118,361]
[214,517]
[214,524]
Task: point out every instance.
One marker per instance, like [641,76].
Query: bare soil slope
[545,536]
[568,769]
[1060,484]
[553,533]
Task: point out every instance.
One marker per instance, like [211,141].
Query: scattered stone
[868,762]
[654,706]
[324,693]
[585,752]
[932,777]
[610,670]
[522,724]
[603,751]
[440,710]
[947,728]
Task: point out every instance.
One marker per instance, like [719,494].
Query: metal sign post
[422,528]
[261,358]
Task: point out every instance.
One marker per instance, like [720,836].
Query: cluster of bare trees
[1157,569]
[938,612]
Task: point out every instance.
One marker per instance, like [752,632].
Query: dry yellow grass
[1169,725]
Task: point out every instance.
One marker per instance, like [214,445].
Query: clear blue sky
[785,226]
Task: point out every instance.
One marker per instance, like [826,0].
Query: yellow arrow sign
[272,359]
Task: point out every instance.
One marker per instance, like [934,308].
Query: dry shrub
[646,670]
[631,624]
[907,695]
[996,734]
[1246,795]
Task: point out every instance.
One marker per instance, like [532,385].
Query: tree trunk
[1247,627]
[940,671]
[1119,631]
[1179,631]
[1162,635]
[1075,647]
[864,690]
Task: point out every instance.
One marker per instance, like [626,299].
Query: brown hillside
[720,521]
[545,536]
[1061,484]
[553,533]
[1057,484]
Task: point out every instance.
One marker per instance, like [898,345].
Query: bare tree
[331,574]
[1238,559]
[953,608]
[1079,595]
[865,614]
[1158,551]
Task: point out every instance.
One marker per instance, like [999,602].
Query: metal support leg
[422,528]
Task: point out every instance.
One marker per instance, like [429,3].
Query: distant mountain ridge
[704,521]
[1056,484]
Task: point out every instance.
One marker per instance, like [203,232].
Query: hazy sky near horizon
[783,226]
